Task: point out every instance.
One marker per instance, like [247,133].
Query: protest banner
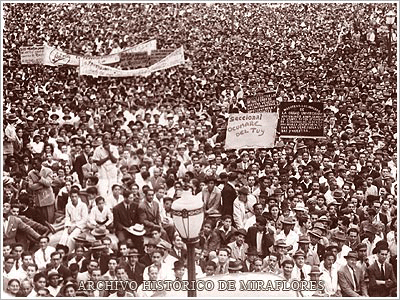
[251,130]
[55,57]
[158,55]
[175,58]
[133,60]
[301,119]
[261,103]
[32,55]
[89,67]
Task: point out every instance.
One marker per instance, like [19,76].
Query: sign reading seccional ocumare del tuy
[254,130]
[301,119]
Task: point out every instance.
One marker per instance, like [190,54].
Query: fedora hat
[323,219]
[100,231]
[300,206]
[81,238]
[370,228]
[351,254]
[235,265]
[280,243]
[97,245]
[299,253]
[133,252]
[381,245]
[164,245]
[178,265]
[339,236]
[363,246]
[243,190]
[240,231]
[316,232]
[304,239]
[53,273]
[315,270]
[252,251]
[289,221]
[331,246]
[137,229]
[12,117]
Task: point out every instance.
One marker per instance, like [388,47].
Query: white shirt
[111,201]
[100,216]
[330,279]
[259,241]
[39,258]
[76,215]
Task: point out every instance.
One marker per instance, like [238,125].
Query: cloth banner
[251,130]
[88,67]
[176,58]
[301,119]
[261,103]
[54,57]
[32,55]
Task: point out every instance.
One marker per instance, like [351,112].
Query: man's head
[351,259]
[223,255]
[55,259]
[329,259]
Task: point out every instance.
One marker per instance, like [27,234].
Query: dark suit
[345,280]
[374,274]
[146,260]
[228,195]
[149,216]
[175,254]
[125,217]
[80,161]
[103,263]
[266,241]
[14,224]
[63,270]
[136,274]
[225,238]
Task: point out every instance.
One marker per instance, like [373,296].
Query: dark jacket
[228,195]
[123,217]
[374,274]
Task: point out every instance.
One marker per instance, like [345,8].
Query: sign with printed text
[32,55]
[261,103]
[134,60]
[251,130]
[301,119]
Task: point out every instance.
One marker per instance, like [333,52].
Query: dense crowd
[93,165]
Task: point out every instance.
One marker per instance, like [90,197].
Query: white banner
[147,46]
[91,68]
[54,57]
[251,130]
[88,67]
[176,58]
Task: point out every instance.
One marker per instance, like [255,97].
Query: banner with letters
[176,58]
[91,68]
[88,67]
[261,103]
[251,130]
[55,57]
[301,119]
[32,55]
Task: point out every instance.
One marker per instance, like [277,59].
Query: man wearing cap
[380,274]
[300,270]
[54,287]
[241,208]
[311,257]
[340,238]
[133,267]
[239,247]
[288,233]
[351,278]
[106,157]
[315,246]
[371,238]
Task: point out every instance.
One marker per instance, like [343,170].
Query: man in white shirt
[106,157]
[300,270]
[42,256]
[76,214]
[100,215]
[115,196]
[329,275]
[241,208]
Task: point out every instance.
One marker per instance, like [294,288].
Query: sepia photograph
[228,149]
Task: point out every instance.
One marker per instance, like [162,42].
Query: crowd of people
[93,165]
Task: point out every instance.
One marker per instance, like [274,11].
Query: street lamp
[390,18]
[188,216]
